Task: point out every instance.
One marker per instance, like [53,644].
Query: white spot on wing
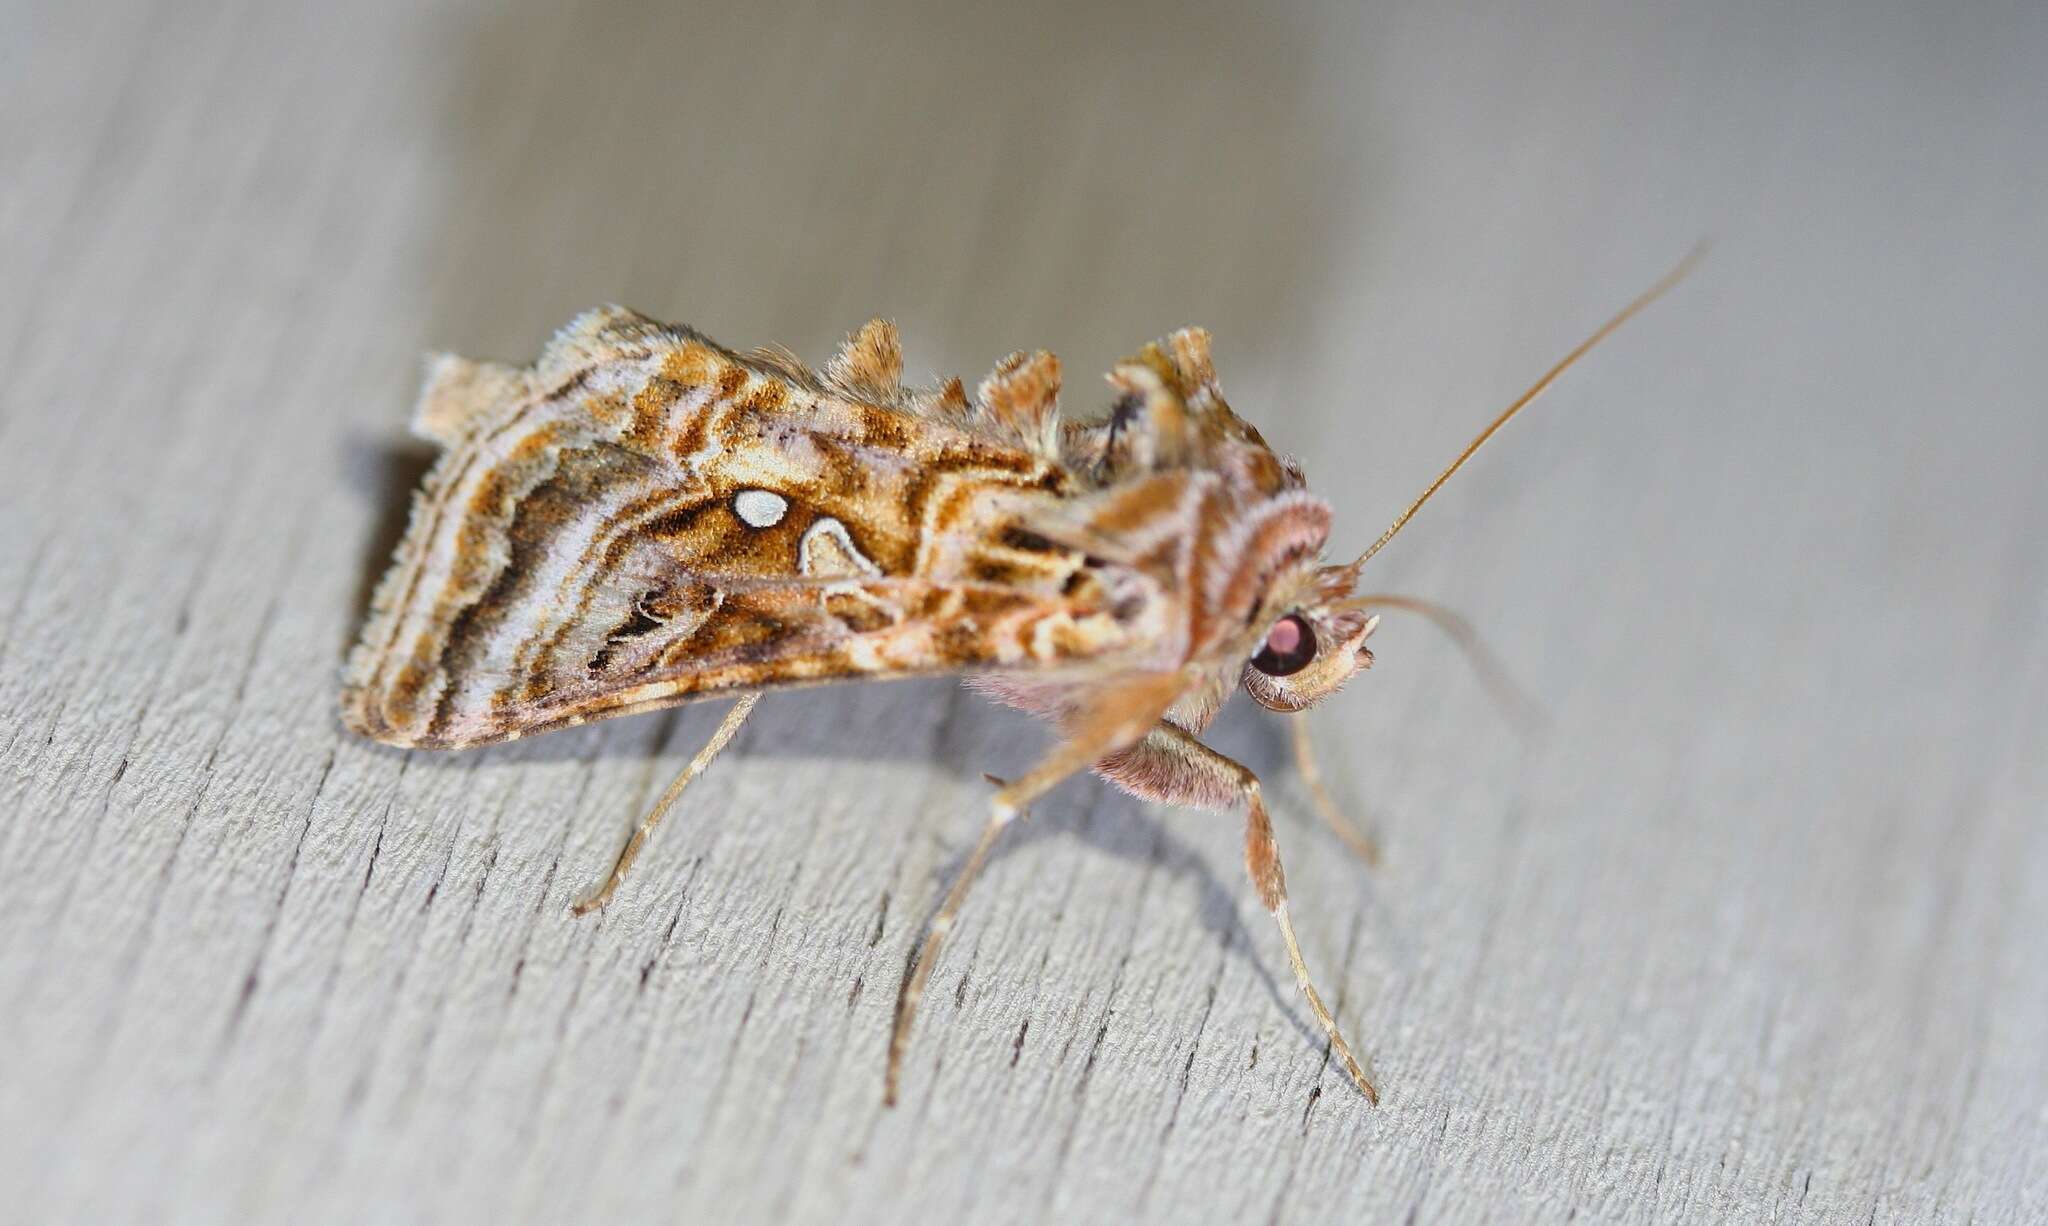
[760,508]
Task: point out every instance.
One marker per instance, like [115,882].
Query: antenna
[1537,388]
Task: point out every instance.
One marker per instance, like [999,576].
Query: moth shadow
[948,730]
[1125,827]
[928,720]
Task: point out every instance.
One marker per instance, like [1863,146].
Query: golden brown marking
[1141,503]
[871,361]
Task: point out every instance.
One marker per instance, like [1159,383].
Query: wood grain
[1750,932]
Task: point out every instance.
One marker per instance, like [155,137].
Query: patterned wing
[645,518]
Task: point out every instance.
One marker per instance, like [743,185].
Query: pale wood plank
[1748,934]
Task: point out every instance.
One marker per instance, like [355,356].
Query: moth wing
[646,518]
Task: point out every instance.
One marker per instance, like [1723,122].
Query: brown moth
[643,518]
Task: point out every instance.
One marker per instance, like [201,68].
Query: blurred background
[1750,929]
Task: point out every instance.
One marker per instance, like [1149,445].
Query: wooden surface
[1753,930]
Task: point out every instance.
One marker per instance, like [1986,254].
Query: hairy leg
[1172,765]
[727,729]
[1114,719]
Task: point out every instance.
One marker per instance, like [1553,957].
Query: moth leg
[727,729]
[1115,720]
[1357,840]
[1172,765]
[912,994]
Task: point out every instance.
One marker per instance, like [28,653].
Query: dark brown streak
[637,623]
[614,543]
[540,658]
[691,437]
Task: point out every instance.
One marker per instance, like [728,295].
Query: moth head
[1306,652]
[1298,639]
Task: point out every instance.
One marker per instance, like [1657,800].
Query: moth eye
[1288,648]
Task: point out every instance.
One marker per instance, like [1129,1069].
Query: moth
[644,518]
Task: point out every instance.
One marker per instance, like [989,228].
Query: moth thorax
[1256,555]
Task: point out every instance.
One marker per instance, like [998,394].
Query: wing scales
[649,518]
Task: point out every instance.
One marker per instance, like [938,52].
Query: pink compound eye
[1288,648]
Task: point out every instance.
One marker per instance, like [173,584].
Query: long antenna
[1537,388]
